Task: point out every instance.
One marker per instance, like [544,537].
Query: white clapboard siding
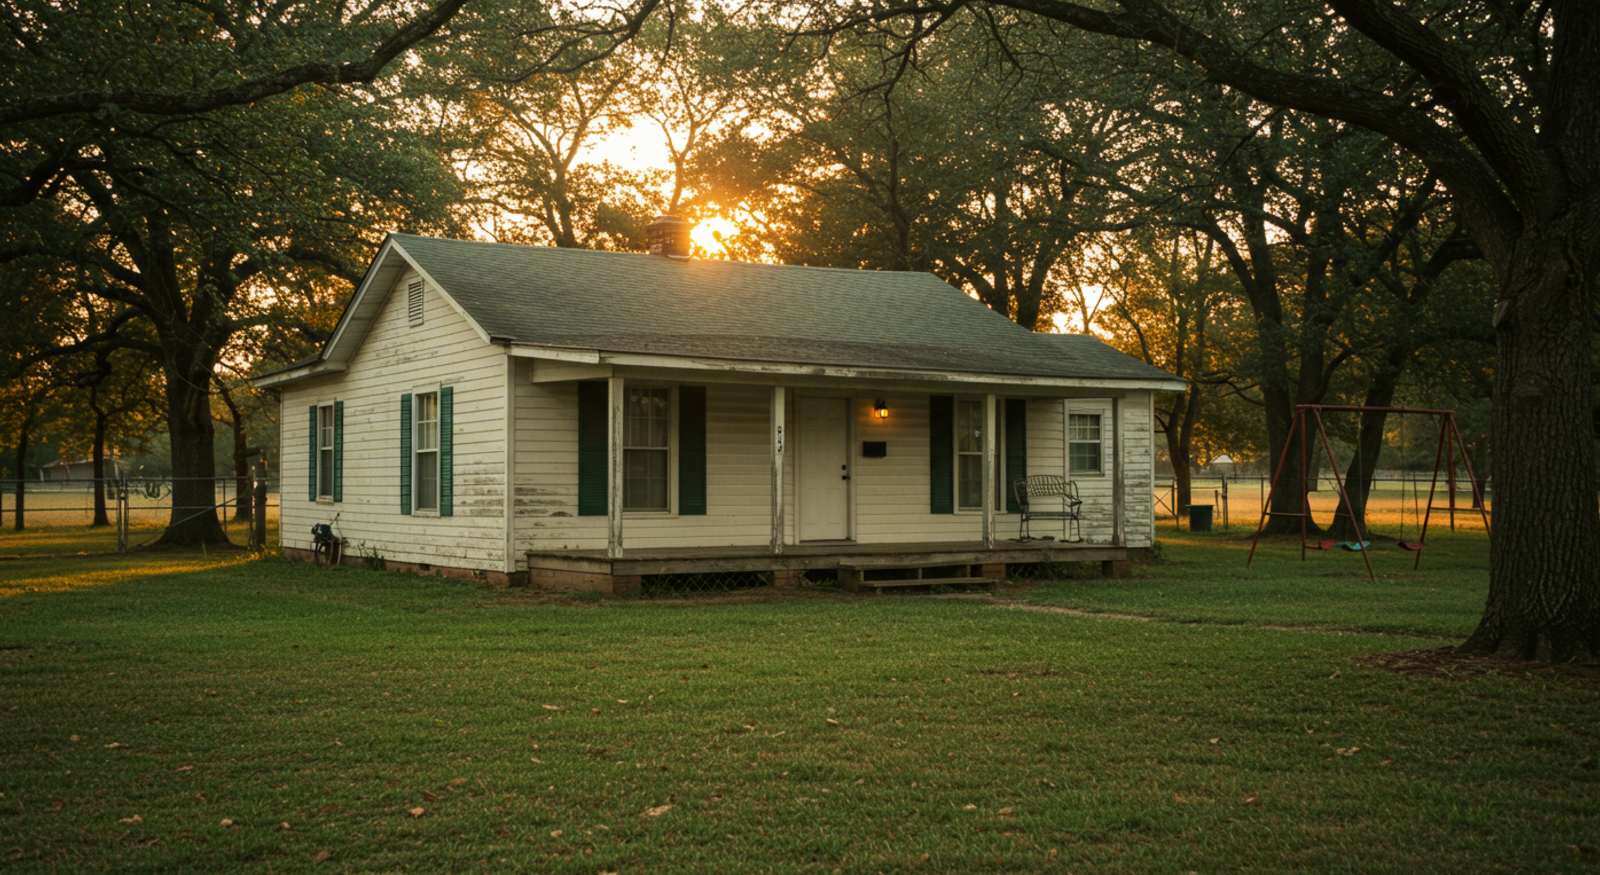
[738,479]
[395,358]
[1138,446]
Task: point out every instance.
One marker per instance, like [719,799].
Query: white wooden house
[587,419]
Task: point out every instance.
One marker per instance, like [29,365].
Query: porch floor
[833,554]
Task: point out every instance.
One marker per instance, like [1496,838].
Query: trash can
[1200,517]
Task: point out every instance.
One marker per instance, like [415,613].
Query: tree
[1497,100]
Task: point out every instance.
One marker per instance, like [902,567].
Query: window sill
[323,499]
[424,511]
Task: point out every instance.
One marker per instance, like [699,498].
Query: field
[177,710]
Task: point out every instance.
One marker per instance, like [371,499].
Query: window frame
[417,452]
[1099,443]
[326,454]
[957,453]
[670,450]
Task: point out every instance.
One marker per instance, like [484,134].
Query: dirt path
[1146,618]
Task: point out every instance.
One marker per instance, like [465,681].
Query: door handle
[844,472]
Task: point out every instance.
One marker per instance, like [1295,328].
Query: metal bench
[1048,489]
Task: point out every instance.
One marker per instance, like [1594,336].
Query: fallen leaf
[1006,812]
[594,710]
[969,807]
[457,782]
[832,722]
[322,856]
[1215,740]
[418,811]
[184,768]
[284,825]
[74,739]
[551,707]
[1252,799]
[135,820]
[227,823]
[658,810]
[622,701]
[1346,751]
[114,745]
[555,833]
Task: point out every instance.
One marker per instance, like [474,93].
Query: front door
[823,426]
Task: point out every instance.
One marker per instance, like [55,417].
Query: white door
[823,425]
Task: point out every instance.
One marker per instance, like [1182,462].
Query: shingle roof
[633,303]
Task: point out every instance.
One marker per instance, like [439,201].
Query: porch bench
[1048,489]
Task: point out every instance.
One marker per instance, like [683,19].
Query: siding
[395,358]
[891,494]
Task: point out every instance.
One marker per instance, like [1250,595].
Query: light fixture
[880,409]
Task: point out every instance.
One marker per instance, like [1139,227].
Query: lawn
[211,712]
[1204,577]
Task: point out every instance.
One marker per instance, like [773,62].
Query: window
[325,451]
[969,454]
[414,302]
[425,452]
[1084,450]
[646,449]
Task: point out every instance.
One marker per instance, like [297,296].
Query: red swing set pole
[1272,489]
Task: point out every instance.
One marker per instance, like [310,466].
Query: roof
[614,302]
[628,302]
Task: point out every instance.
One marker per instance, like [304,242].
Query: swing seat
[1319,545]
[1355,546]
[1409,546]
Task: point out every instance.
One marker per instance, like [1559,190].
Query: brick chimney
[669,236]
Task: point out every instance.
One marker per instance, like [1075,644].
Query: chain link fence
[135,510]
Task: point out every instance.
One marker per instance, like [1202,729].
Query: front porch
[857,566]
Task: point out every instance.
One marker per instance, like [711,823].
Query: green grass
[793,734]
[1203,577]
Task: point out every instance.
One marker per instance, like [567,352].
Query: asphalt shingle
[634,303]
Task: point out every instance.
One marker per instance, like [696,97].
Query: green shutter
[405,453]
[941,453]
[338,451]
[692,450]
[593,436]
[311,467]
[1016,449]
[447,480]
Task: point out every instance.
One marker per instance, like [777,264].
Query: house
[587,419]
[67,470]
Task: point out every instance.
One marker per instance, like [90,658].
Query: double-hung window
[425,452]
[969,454]
[646,449]
[1085,449]
[325,451]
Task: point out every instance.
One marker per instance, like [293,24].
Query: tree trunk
[101,518]
[1288,489]
[241,473]
[20,511]
[194,514]
[1544,580]
[1352,511]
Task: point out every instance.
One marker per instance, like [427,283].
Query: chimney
[669,236]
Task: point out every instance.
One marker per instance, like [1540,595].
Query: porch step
[926,582]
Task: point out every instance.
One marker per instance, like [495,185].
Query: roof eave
[841,371]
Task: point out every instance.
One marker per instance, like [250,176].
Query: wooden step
[927,581]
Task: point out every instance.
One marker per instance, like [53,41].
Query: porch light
[880,409]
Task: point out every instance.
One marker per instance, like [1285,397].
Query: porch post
[1117,498]
[778,407]
[988,469]
[614,421]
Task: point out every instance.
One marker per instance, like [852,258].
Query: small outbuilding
[588,420]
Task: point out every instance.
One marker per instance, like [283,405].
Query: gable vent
[414,302]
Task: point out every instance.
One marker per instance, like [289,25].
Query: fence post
[258,520]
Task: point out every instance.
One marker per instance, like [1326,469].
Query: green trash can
[1200,517]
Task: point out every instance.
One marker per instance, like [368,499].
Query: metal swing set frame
[1309,416]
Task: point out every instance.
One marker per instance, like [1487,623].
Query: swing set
[1308,417]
